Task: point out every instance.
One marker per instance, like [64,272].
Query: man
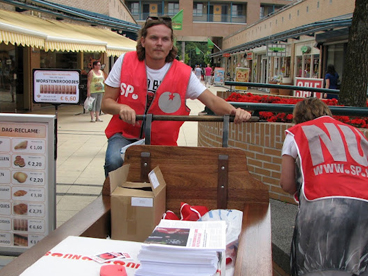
[198,72]
[150,80]
[207,77]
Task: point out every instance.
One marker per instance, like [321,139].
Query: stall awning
[308,29]
[53,35]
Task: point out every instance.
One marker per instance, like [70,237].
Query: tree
[355,75]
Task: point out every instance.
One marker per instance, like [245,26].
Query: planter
[285,92]
[273,91]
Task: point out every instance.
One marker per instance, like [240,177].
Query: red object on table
[113,270]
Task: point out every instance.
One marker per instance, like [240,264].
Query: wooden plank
[191,175]
[255,250]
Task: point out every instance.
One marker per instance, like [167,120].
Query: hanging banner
[307,82]
[219,76]
[241,75]
[27,180]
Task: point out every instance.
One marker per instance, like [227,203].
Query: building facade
[54,35]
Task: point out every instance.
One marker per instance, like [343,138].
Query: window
[197,9]
[236,10]
[173,8]
[134,8]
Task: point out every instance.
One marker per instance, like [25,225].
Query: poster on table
[307,82]
[219,76]
[241,75]
[56,86]
[27,180]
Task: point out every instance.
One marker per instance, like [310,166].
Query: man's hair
[309,109]
[143,33]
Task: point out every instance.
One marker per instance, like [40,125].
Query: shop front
[29,42]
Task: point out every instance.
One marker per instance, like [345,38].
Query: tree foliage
[191,58]
[355,75]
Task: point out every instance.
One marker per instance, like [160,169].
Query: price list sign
[27,180]
[56,87]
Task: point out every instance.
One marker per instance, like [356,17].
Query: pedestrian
[324,165]
[331,81]
[151,81]
[198,72]
[207,77]
[96,89]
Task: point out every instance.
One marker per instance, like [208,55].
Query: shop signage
[305,49]
[226,55]
[276,50]
[241,75]
[249,56]
[27,180]
[219,75]
[56,86]
[307,82]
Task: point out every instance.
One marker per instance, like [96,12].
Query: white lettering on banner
[126,89]
[334,144]
[339,168]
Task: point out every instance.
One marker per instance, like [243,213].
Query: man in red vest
[325,166]
[151,81]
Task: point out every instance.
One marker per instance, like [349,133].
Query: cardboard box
[136,207]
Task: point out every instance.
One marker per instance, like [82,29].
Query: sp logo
[127,90]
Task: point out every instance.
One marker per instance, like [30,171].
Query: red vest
[334,159]
[169,99]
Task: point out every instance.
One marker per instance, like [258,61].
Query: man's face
[157,43]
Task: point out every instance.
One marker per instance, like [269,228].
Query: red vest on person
[169,99]
[334,159]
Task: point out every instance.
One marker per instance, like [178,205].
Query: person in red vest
[325,166]
[151,81]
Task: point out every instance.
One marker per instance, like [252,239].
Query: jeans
[113,158]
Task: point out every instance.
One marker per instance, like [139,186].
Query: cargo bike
[217,178]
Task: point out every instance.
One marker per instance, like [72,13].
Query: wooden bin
[273,91]
[213,177]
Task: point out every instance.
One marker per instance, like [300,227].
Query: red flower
[287,118]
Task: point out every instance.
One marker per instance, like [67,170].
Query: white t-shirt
[154,78]
[289,147]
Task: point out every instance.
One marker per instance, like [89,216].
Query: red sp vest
[333,159]
[169,99]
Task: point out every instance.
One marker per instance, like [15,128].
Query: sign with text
[27,180]
[56,86]
[241,75]
[276,50]
[307,82]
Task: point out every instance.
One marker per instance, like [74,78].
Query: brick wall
[262,143]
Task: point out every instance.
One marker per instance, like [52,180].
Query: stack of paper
[182,248]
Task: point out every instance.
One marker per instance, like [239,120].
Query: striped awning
[53,35]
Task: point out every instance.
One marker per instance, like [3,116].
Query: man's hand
[241,115]
[127,114]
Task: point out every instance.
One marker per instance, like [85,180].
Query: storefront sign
[27,180]
[241,75]
[219,75]
[56,87]
[249,56]
[307,82]
[276,50]
[226,55]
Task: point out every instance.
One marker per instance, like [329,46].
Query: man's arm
[222,107]
[110,105]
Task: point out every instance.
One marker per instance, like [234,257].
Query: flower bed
[288,118]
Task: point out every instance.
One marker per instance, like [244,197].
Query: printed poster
[241,75]
[219,76]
